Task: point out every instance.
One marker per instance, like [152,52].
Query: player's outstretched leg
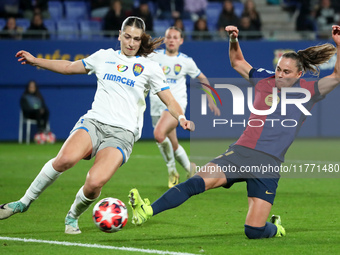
[44,179]
[141,209]
[7,210]
[276,220]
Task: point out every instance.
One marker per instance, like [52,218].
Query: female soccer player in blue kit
[110,128]
[256,146]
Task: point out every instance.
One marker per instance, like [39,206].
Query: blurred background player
[110,128]
[176,66]
[257,146]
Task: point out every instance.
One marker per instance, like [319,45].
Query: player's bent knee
[253,232]
[159,136]
[63,163]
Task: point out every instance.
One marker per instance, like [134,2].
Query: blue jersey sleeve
[257,74]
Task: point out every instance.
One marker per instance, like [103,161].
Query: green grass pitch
[210,223]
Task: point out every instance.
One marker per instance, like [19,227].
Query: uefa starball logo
[271,102]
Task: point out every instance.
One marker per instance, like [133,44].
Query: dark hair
[133,21]
[308,60]
[147,44]
[177,29]
[36,93]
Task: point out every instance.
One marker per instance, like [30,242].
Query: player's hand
[232,31]
[213,108]
[336,34]
[187,125]
[25,58]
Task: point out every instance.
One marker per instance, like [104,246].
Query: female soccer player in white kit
[110,128]
[176,66]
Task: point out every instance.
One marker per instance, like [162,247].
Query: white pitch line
[108,247]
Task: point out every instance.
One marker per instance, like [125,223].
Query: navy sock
[268,230]
[179,194]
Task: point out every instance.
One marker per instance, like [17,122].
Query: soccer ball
[40,138]
[110,215]
[50,137]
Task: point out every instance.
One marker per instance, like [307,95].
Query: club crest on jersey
[137,69]
[178,69]
[122,68]
[166,69]
[269,100]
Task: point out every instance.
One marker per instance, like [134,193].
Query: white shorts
[103,136]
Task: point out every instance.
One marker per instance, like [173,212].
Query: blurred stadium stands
[71,19]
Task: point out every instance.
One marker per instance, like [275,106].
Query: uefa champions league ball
[110,215]
[39,138]
[50,138]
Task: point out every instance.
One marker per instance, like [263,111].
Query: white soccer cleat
[7,210]
[71,225]
[173,179]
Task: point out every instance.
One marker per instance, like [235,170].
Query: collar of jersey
[164,52]
[130,57]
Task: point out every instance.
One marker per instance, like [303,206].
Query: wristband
[233,39]
[181,117]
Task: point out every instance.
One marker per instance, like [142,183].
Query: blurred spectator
[33,106]
[305,20]
[114,17]
[170,9]
[99,8]
[227,17]
[201,31]
[291,6]
[144,13]
[11,30]
[179,24]
[195,9]
[326,17]
[29,8]
[9,8]
[248,30]
[250,11]
[37,29]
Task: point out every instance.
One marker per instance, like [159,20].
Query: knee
[253,232]
[93,187]
[158,135]
[63,162]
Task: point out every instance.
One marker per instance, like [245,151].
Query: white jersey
[175,69]
[122,85]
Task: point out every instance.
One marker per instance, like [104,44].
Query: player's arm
[58,66]
[213,108]
[237,60]
[175,109]
[330,82]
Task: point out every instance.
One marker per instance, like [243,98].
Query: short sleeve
[193,70]
[92,61]
[157,80]
[257,74]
